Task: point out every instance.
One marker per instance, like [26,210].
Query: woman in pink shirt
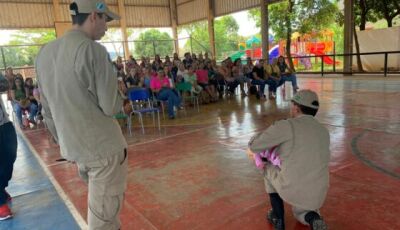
[161,87]
[202,80]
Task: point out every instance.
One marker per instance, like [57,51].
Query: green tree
[291,16]
[387,9]
[113,37]
[24,46]
[364,12]
[226,36]
[154,42]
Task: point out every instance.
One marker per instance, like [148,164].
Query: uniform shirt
[79,95]
[303,147]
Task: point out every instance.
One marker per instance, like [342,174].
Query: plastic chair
[187,87]
[140,102]
[159,103]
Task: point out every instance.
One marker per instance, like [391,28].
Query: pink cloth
[202,76]
[157,84]
[271,155]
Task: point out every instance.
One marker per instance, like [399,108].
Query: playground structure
[301,45]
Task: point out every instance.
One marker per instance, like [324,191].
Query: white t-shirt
[181,73]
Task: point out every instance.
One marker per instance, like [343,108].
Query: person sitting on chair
[161,87]
[21,102]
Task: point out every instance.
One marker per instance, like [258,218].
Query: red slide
[326,59]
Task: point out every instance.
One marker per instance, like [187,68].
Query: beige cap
[98,6]
[307,98]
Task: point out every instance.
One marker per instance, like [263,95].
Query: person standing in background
[8,153]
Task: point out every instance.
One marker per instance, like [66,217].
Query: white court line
[174,135]
[78,218]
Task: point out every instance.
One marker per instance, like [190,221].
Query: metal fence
[21,57]
[336,65]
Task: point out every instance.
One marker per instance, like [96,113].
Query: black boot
[278,224]
[315,220]
[276,215]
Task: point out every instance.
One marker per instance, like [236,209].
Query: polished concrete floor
[194,174]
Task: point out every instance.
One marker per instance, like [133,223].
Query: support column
[122,21]
[348,34]
[174,24]
[264,29]
[211,34]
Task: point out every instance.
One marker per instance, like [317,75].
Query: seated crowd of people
[209,81]
[206,77]
[24,97]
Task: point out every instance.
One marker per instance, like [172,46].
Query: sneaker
[5,212]
[8,196]
[319,225]
[277,223]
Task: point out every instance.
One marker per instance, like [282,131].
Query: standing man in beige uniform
[302,179]
[80,94]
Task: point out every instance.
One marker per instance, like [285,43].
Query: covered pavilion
[194,173]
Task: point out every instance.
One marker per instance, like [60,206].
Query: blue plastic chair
[140,102]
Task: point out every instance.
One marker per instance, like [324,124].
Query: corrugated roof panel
[26,1]
[223,7]
[140,13]
[192,11]
[147,3]
[113,2]
[182,1]
[114,23]
[65,15]
[19,15]
[147,16]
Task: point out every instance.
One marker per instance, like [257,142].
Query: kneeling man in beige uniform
[302,179]
[80,95]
